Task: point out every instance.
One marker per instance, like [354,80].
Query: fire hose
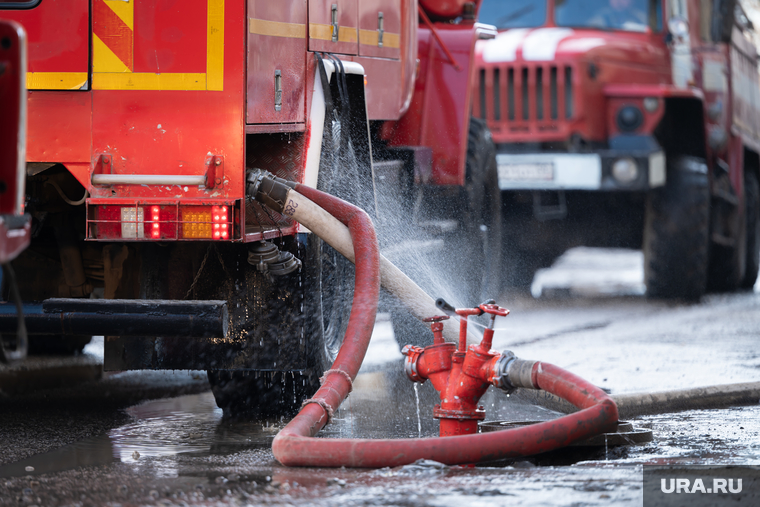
[295,444]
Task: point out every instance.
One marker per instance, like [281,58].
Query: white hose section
[332,231]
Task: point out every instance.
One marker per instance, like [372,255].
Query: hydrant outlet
[511,372]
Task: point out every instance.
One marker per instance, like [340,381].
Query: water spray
[458,369]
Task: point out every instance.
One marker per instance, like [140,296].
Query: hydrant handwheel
[494,309]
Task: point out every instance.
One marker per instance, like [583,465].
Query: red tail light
[162,222]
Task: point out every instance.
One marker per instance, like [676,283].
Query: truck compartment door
[58,41]
[380,28]
[333,26]
[276,61]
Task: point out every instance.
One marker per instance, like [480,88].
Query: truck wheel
[314,310]
[724,271]
[676,232]
[473,251]
[752,207]
[306,311]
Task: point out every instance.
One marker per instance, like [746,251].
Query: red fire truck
[144,118]
[631,123]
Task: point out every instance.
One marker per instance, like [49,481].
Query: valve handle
[494,309]
[445,307]
[436,318]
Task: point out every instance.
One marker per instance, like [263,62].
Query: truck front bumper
[582,171]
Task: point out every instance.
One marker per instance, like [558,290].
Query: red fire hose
[295,444]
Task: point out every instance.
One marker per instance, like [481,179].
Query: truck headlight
[629,118]
[625,170]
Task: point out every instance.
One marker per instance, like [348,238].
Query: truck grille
[525,98]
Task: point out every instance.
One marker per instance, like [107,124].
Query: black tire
[315,307]
[752,209]
[473,251]
[267,311]
[306,312]
[676,232]
[726,267]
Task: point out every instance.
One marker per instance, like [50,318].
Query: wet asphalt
[157,438]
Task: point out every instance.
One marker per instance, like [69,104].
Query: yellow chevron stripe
[109,73]
[103,59]
[125,11]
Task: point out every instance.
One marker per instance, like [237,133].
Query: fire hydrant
[459,373]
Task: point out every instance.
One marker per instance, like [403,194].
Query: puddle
[384,404]
[704,437]
[190,424]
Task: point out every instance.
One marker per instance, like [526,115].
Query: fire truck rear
[145,119]
[628,123]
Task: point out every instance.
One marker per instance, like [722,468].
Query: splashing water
[419,419]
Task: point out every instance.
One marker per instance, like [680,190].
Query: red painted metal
[269,51]
[170,36]
[507,93]
[437,37]
[173,132]
[462,376]
[294,445]
[15,229]
[445,9]
[142,128]
[439,113]
[58,35]
[437,327]
[369,11]
[157,131]
[12,118]
[606,69]
[60,128]
[321,37]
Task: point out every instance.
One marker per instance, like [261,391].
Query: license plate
[520,171]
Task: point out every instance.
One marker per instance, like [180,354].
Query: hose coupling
[269,259]
[267,188]
[509,372]
[412,353]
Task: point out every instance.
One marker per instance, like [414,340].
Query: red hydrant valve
[437,318]
[494,309]
[436,325]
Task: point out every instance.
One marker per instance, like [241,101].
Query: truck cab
[612,119]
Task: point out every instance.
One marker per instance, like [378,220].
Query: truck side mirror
[722,25]
[678,30]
